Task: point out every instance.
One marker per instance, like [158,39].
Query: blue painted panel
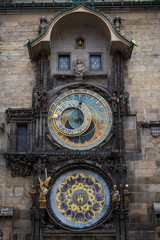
[64,62]
[95,62]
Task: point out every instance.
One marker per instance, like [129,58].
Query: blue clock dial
[80,119]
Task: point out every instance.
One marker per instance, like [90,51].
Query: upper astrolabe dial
[79,119]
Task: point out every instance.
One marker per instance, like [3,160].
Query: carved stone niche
[116,41]
[80,43]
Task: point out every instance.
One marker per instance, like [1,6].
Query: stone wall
[142,81]
[18,76]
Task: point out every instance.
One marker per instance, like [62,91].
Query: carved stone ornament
[106,163]
[20,164]
[79,67]
[23,113]
[43,24]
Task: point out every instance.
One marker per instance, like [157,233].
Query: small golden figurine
[43,192]
[80,43]
[115,197]
[126,196]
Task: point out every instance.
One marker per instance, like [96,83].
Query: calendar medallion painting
[80,198]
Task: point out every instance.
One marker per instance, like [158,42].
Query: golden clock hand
[55,115]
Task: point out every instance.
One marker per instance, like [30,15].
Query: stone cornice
[148,124]
[62,5]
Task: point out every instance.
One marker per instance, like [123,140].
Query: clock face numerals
[79,198]
[79,119]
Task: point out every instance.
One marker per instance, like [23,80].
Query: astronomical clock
[80,119]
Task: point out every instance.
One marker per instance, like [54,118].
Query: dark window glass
[95,62]
[22,138]
[64,62]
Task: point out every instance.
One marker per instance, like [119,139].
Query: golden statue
[80,43]
[43,192]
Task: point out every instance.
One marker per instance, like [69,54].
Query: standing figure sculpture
[115,197]
[37,101]
[32,193]
[44,101]
[43,24]
[123,101]
[126,196]
[43,192]
[115,101]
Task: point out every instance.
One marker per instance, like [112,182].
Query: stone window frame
[17,117]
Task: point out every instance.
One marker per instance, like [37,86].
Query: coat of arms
[155,131]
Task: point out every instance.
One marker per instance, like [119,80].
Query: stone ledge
[141,235]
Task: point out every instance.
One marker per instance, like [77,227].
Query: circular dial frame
[79,198]
[80,119]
